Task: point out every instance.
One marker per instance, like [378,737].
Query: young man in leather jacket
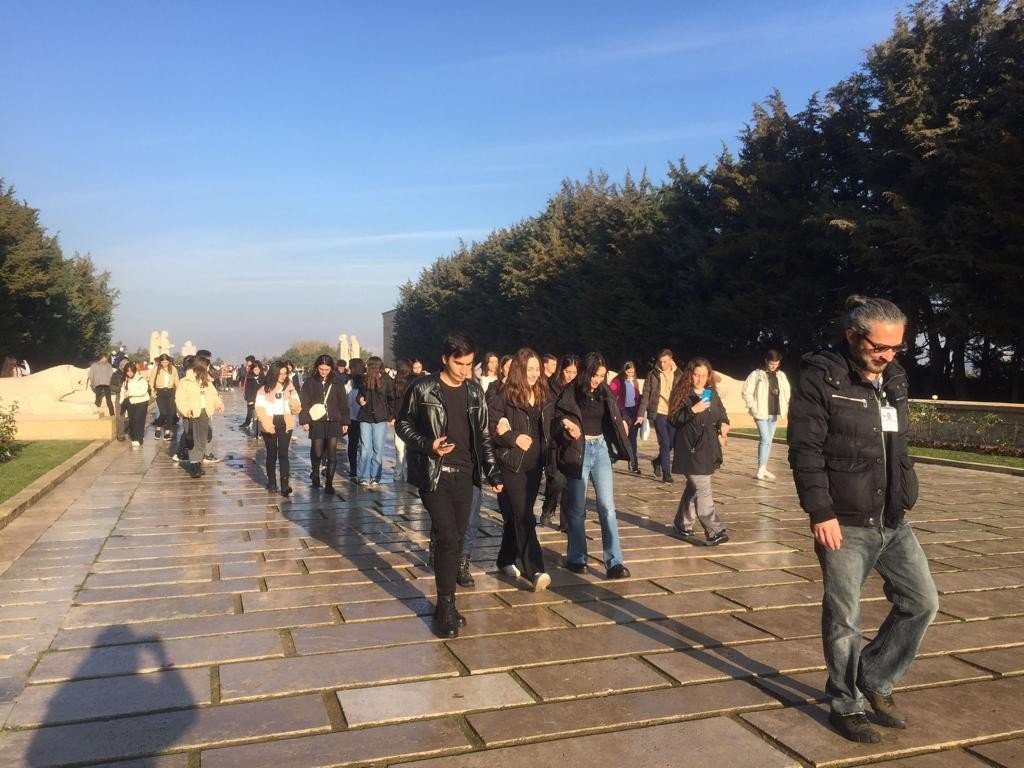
[443,421]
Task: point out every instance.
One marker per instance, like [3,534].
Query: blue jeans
[666,439]
[371,449]
[597,467]
[899,559]
[766,431]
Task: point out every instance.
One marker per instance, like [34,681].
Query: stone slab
[129,737]
[1003,661]
[431,698]
[939,718]
[250,680]
[716,741]
[109,697]
[1006,754]
[645,608]
[592,678]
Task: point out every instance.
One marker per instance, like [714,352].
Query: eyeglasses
[880,348]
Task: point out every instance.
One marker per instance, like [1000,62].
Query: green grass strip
[32,461]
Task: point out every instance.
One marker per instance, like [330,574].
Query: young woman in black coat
[324,416]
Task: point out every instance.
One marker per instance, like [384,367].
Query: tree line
[905,180]
[55,309]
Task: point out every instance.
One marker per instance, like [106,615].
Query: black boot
[464,577]
[271,479]
[315,474]
[446,618]
[329,480]
[286,489]
[195,471]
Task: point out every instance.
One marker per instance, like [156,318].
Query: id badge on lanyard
[890,419]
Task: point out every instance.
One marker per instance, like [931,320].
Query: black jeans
[165,402]
[137,420]
[519,536]
[353,447]
[634,429]
[103,391]
[277,445]
[449,506]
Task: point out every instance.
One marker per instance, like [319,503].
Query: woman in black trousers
[520,413]
[324,416]
[356,370]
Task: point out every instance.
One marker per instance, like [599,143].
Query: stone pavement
[147,619]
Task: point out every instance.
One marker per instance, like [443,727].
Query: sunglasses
[880,348]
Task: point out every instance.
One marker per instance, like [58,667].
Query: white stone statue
[58,392]
[355,347]
[165,343]
[344,352]
[188,348]
[154,345]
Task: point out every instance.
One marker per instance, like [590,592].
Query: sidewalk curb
[954,463]
[11,509]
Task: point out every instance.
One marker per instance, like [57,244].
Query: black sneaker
[210,459]
[719,538]
[684,532]
[656,465]
[855,727]
[576,567]
[886,711]
[618,571]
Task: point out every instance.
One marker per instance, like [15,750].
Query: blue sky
[255,173]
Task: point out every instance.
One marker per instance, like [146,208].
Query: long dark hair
[129,367]
[201,369]
[516,390]
[374,373]
[685,389]
[324,360]
[591,363]
[403,372]
[273,374]
[563,363]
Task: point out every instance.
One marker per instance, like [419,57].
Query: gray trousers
[200,430]
[696,504]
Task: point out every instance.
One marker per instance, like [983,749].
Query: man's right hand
[829,534]
[442,451]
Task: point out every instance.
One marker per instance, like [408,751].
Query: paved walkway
[215,625]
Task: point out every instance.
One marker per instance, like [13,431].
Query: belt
[453,470]
[594,437]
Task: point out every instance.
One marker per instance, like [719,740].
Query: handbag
[188,440]
[645,430]
[318,410]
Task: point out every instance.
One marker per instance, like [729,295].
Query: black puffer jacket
[569,451]
[380,402]
[422,419]
[844,465]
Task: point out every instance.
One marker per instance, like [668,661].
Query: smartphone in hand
[706,396]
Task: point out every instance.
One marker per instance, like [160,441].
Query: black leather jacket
[510,456]
[844,465]
[422,419]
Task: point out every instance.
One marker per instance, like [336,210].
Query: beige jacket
[155,374]
[265,407]
[188,397]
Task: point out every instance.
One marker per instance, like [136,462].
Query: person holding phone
[444,423]
[277,403]
[702,429]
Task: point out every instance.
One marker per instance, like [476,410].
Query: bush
[8,429]
[931,426]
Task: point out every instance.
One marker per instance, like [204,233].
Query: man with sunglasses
[848,451]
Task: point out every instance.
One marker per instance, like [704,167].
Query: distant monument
[344,353]
[154,346]
[165,343]
[355,347]
[188,348]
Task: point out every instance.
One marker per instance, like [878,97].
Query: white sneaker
[135,443]
[760,474]
[768,475]
[174,457]
[511,571]
[541,581]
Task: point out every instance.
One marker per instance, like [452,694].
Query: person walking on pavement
[444,423]
[99,379]
[277,404]
[766,394]
[654,405]
[324,416]
[849,454]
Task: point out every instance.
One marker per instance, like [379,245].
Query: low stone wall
[968,424]
[65,429]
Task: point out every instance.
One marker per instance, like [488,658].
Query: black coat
[569,452]
[510,456]
[843,464]
[423,418]
[697,450]
[314,390]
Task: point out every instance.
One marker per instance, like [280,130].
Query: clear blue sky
[254,173]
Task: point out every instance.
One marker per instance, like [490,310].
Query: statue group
[159,344]
[348,349]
